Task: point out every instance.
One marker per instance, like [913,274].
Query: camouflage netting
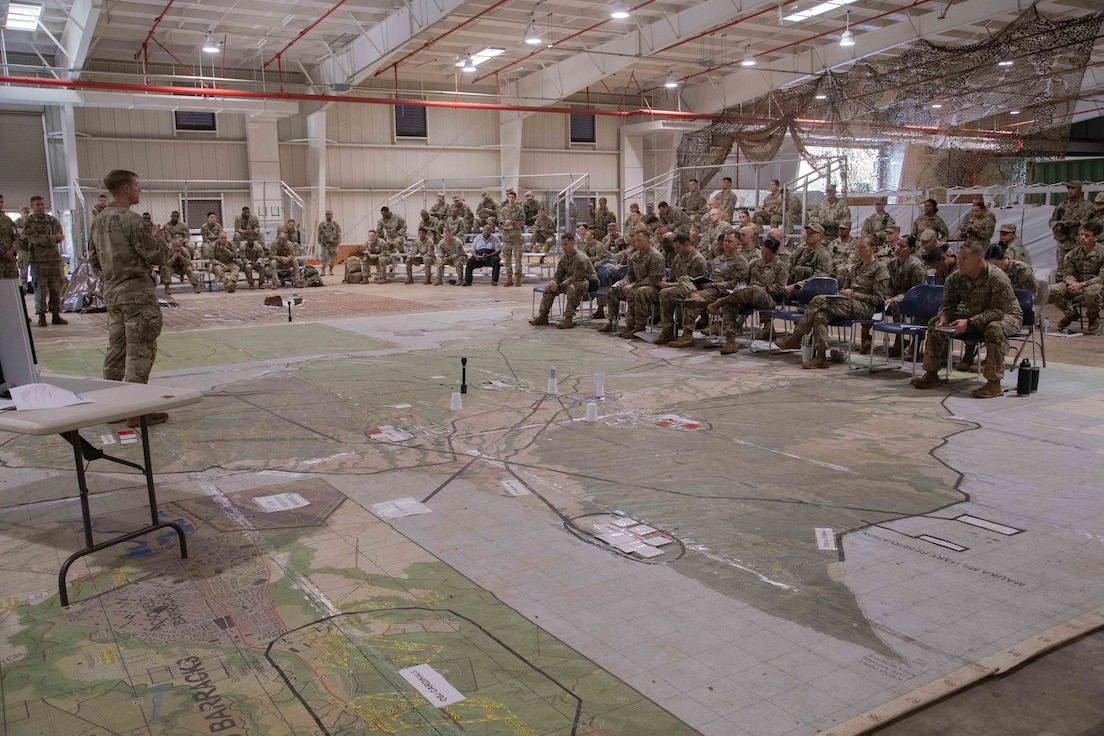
[876,103]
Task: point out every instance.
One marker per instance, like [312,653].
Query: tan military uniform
[725,272]
[224,265]
[902,277]
[208,234]
[695,204]
[601,219]
[684,269]
[23,252]
[123,251]
[256,260]
[511,252]
[934,223]
[978,229]
[868,281]
[433,225]
[645,272]
[766,284]
[808,262]
[422,251]
[1065,223]
[450,254]
[1016,252]
[45,260]
[842,252]
[179,230]
[1087,268]
[575,278]
[9,254]
[830,215]
[676,221]
[544,233]
[179,263]
[279,270]
[1022,277]
[393,230]
[876,225]
[329,237]
[487,213]
[596,251]
[726,203]
[247,229]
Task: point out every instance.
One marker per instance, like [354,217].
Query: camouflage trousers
[749,296]
[822,310]
[457,262]
[690,310]
[995,335]
[277,272]
[179,267]
[669,300]
[257,266]
[23,263]
[511,258]
[573,293]
[639,302]
[329,253]
[49,284]
[1063,298]
[358,268]
[426,260]
[131,341]
[225,273]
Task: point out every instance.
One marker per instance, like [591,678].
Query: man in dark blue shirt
[485,252]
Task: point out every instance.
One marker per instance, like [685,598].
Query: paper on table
[399,507]
[431,685]
[45,396]
[281,502]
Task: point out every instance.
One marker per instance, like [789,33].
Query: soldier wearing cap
[830,212]
[928,241]
[440,209]
[530,205]
[842,248]
[876,225]
[1007,239]
[1067,219]
[930,221]
[1098,215]
[810,260]
[487,211]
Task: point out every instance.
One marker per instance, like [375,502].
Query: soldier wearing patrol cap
[1098,215]
[876,225]
[1067,219]
[1013,250]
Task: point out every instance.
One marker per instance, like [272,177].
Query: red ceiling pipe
[303,32]
[156,22]
[432,41]
[178,61]
[576,34]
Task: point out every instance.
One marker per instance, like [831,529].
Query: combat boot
[566,323]
[540,319]
[42,320]
[866,344]
[57,320]
[409,280]
[897,348]
[601,313]
[1094,324]
[166,289]
[764,333]
[517,281]
[607,327]
[729,348]
[1066,321]
[429,279]
[195,288]
[790,342]
[231,287]
[930,379]
[665,336]
[151,419]
[967,364]
[686,340]
[820,360]
[509,280]
[628,333]
[991,390]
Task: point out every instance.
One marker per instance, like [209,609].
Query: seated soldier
[905,272]
[431,224]
[1007,238]
[593,247]
[687,265]
[224,262]
[940,264]
[888,251]
[208,235]
[863,293]
[575,278]
[283,264]
[421,252]
[358,267]
[978,302]
[929,241]
[255,258]
[450,252]
[675,219]
[810,260]
[613,242]
[544,232]
[454,221]
[179,264]
[766,281]
[639,287]
[486,213]
[1081,275]
[728,269]
[247,228]
[391,230]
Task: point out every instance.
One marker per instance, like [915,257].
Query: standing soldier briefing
[123,251]
[329,237]
[43,233]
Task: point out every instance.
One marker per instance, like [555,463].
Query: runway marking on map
[739,566]
[821,463]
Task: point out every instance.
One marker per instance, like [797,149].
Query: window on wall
[188,121]
[410,121]
[583,128]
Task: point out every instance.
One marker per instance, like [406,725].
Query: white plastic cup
[600,385]
[457,403]
[591,412]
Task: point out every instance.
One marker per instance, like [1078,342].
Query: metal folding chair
[920,305]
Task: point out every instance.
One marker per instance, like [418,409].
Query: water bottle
[1023,378]
[1046,325]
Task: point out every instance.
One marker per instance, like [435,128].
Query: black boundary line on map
[918,537]
[377,612]
[586,536]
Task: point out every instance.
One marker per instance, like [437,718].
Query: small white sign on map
[624,521]
[399,507]
[387,433]
[432,685]
[826,538]
[280,502]
[515,488]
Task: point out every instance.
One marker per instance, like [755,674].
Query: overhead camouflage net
[972,129]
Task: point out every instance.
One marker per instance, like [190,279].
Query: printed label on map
[281,502]
[826,539]
[432,685]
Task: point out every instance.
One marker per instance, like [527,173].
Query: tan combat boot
[566,323]
[764,333]
[1065,322]
[628,333]
[820,360]
[991,390]
[429,279]
[790,342]
[509,280]
[896,349]
[685,340]
[930,379]
[409,280]
[57,320]
[540,319]
[607,327]
[601,312]
[166,289]
[665,336]
[42,320]
[729,348]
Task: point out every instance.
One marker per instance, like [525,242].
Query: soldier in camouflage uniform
[43,233]
[248,228]
[830,212]
[329,237]
[905,272]
[22,249]
[255,258]
[422,251]
[123,252]
[842,248]
[675,219]
[1007,238]
[450,252]
[454,222]
[486,213]
[766,282]
[511,209]
[431,224]
[1018,272]
[440,209]
[1067,219]
[810,260]
[601,216]
[174,229]
[640,287]
[978,225]
[726,200]
[511,251]
[392,229]
[465,213]
[291,230]
[686,265]
[1082,274]
[978,301]
[693,203]
[863,294]
[208,234]
[714,229]
[593,247]
[728,269]
[101,204]
[179,263]
[888,249]
[575,277]
[544,231]
[530,205]
[374,251]
[283,264]
[931,221]
[9,257]
[769,213]
[224,263]
[613,242]
[1098,213]
[876,225]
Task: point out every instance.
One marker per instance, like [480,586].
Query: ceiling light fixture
[671,82]
[847,39]
[23,17]
[467,65]
[478,58]
[816,10]
[209,45]
[619,12]
[749,60]
[532,37]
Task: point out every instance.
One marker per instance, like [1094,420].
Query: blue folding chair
[917,308]
[973,337]
[815,286]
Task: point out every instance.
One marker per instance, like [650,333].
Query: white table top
[120,401]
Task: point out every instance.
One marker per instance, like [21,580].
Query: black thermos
[1023,378]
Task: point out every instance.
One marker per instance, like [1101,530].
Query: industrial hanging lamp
[847,39]
[671,82]
[749,60]
[469,65]
[209,45]
[532,37]
[620,11]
